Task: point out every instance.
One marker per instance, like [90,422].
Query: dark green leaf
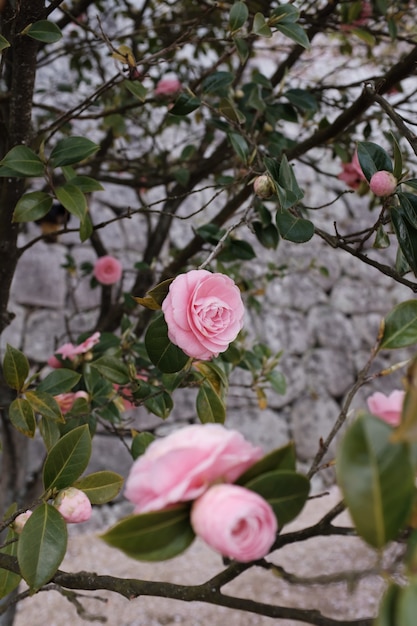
[49,431]
[388,607]
[302,99]
[408,204]
[44,31]
[86,227]
[230,111]
[15,368]
[260,26]
[72,199]
[406,235]
[68,459]
[286,492]
[140,442]
[8,580]
[44,404]
[296,33]
[236,249]
[113,369]
[210,406]
[277,381]
[86,184]
[280,459]
[153,536]
[292,228]
[23,161]
[268,235]
[32,206]
[137,89]
[72,150]
[60,380]
[42,546]
[238,15]
[3,43]
[164,354]
[22,416]
[376,476]
[240,146]
[217,83]
[100,487]
[185,104]
[398,159]
[372,158]
[242,48]
[160,404]
[400,326]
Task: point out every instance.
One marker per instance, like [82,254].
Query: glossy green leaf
[68,459]
[372,158]
[292,228]
[86,227]
[398,159]
[8,580]
[23,162]
[160,404]
[296,33]
[139,444]
[164,354]
[268,236]
[113,369]
[60,380]
[260,26]
[72,199]
[15,368]
[44,404]
[217,83]
[86,184]
[400,326]
[239,13]
[408,207]
[302,99]
[277,381]
[100,487]
[152,536]
[42,546]
[230,111]
[49,431]
[137,89]
[388,607]
[406,235]
[72,150]
[185,104]
[376,476]
[22,416]
[407,605]
[286,492]
[3,43]
[210,406]
[280,459]
[214,375]
[236,249]
[242,48]
[45,31]
[32,206]
[407,429]
[240,146]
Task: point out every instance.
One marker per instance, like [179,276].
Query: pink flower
[70,351]
[388,408]
[203,312]
[87,344]
[20,521]
[181,466]
[107,270]
[352,173]
[235,521]
[74,505]
[168,87]
[66,400]
[383,183]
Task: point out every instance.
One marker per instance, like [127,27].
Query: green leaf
[400,326]
[113,369]
[408,207]
[242,48]
[398,159]
[217,83]
[302,99]
[296,33]
[268,236]
[137,89]
[260,26]
[22,416]
[406,235]
[277,381]
[72,199]
[15,368]
[280,459]
[407,604]
[49,431]
[42,546]
[139,444]
[240,146]
[44,31]
[60,380]
[3,43]
[86,227]
[100,487]
[23,162]
[407,429]
[86,184]
[292,228]
[32,206]
[72,150]
[68,459]
[44,404]
[8,580]
[153,536]
[160,404]
[230,111]
[164,354]
[372,158]
[239,13]
[285,491]
[185,104]
[387,609]
[377,480]
[210,406]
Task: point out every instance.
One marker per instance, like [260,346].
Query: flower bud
[383,183]
[263,186]
[20,521]
[74,505]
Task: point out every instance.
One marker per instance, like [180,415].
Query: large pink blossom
[74,505]
[107,270]
[352,173]
[235,521]
[388,408]
[203,312]
[181,466]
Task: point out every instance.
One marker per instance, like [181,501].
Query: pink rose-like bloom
[20,521]
[383,183]
[107,270]
[352,173]
[74,505]
[235,521]
[181,466]
[70,351]
[66,400]
[203,312]
[168,87]
[388,408]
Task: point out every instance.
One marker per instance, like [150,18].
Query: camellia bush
[205,123]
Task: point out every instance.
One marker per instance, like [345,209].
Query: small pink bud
[263,186]
[74,505]
[383,183]
[20,521]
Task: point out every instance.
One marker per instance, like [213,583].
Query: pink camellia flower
[88,344]
[235,521]
[107,270]
[168,87]
[20,521]
[388,408]
[352,173]
[203,312]
[66,400]
[383,183]
[70,351]
[181,466]
[74,505]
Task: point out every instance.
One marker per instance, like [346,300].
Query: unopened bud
[383,183]
[20,521]
[74,505]
[263,186]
